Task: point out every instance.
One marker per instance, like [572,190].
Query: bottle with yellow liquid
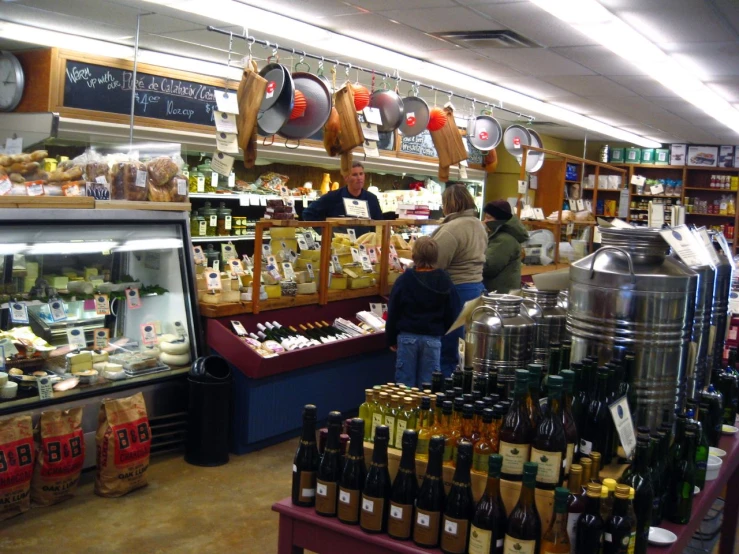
[483,448]
[365,413]
[454,429]
[424,429]
[391,417]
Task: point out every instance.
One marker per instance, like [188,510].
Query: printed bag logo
[16,463]
[517,546]
[63,454]
[134,441]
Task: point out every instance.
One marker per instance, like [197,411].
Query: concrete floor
[185,509]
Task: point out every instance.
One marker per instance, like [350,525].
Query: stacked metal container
[499,336]
[550,319]
[698,362]
[719,312]
[631,293]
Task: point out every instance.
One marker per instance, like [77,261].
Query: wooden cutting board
[351,134]
[448,142]
[250,94]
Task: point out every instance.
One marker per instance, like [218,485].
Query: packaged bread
[174,190]
[96,171]
[128,181]
[161,171]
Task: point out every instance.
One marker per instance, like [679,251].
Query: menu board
[421,145]
[90,86]
[474,155]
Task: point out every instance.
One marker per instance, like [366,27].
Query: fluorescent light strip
[230,12]
[149,244]
[596,22]
[72,247]
[10,249]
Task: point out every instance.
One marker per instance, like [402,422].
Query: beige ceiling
[567,69]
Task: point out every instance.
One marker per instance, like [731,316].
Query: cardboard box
[703,156]
[647,155]
[736,156]
[632,156]
[617,155]
[726,156]
[677,154]
[662,156]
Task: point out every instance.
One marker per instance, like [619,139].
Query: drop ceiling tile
[640,109]
[310,11]
[590,85]
[534,23]
[601,60]
[684,109]
[381,5]
[707,60]
[534,87]
[692,133]
[726,87]
[535,61]
[476,3]
[677,21]
[473,64]
[643,85]
[434,20]
[200,44]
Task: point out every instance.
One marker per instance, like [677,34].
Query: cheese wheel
[175,359]
[169,337]
[306,288]
[175,347]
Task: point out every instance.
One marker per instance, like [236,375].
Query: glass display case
[92,300]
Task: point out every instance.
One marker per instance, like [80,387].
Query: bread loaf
[161,170]
[94,170]
[129,181]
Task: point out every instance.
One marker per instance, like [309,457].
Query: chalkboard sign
[107,89]
[421,145]
[474,156]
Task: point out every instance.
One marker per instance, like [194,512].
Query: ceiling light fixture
[593,20]
[230,11]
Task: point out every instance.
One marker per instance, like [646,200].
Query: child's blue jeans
[418,357]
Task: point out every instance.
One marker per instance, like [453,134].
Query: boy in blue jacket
[422,307]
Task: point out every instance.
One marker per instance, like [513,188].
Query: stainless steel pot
[499,336]
[698,362]
[550,318]
[719,313]
[631,293]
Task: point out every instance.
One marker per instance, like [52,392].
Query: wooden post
[257,282]
[384,256]
[323,264]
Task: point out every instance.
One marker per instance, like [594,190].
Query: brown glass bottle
[465,429]
[595,470]
[454,430]
[483,448]
[431,497]
[524,524]
[460,506]
[549,449]
[590,525]
[619,527]
[353,475]
[377,486]
[489,522]
[329,470]
[576,501]
[445,427]
[532,400]
[587,472]
[424,429]
[516,433]
[404,491]
[555,539]
[306,460]
[568,419]
[477,421]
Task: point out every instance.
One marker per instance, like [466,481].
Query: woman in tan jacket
[462,240]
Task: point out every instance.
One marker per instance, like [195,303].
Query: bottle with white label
[353,476]
[431,498]
[377,486]
[555,539]
[305,463]
[524,524]
[516,433]
[404,490]
[549,449]
[329,470]
[575,503]
[489,522]
[460,506]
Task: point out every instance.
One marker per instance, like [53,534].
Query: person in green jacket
[502,270]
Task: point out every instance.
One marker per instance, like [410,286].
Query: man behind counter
[332,204]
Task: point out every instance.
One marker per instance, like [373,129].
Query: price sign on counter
[133,300]
[56,307]
[287,269]
[213,280]
[102,304]
[101,337]
[624,425]
[352,234]
[148,333]
[356,208]
[76,338]
[45,390]
[309,269]
[355,255]
[18,312]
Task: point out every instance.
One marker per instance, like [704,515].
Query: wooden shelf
[711,215]
[710,189]
[651,166]
[334,295]
[129,205]
[701,168]
[655,196]
[48,202]
[573,182]
[225,310]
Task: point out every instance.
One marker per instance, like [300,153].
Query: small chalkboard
[107,89]
[421,145]
[474,156]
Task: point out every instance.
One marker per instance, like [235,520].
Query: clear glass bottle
[555,539]
[524,524]
[489,521]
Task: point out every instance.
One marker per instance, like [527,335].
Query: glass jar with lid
[225,221]
[208,174]
[196,181]
[211,219]
[212,255]
[198,226]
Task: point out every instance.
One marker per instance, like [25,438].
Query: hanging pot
[484,132]
[534,160]
[514,138]
[278,99]
[318,107]
[415,116]
[391,109]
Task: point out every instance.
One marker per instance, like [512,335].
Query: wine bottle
[404,420]
[607,493]
[568,418]
[595,469]
[516,432]
[437,381]
[575,503]
[391,416]
[701,455]
[658,478]
[555,539]
[424,430]
[492,382]
[555,359]
[590,525]
[460,506]
[353,475]
[727,385]
[524,524]
[448,384]
[454,430]
[712,401]
[446,425]
[458,379]
[465,430]
[481,384]
[489,522]
[641,481]
[682,481]
[549,448]
[477,421]
[483,448]
[431,498]
[578,399]
[532,400]
[404,490]
[329,470]
[467,380]
[565,354]
[377,486]
[587,472]
[305,462]
[598,428]
[620,529]
[436,427]
[365,413]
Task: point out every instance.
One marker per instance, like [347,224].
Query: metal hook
[348,67]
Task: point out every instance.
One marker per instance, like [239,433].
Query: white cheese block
[175,347]
[113,368]
[99,366]
[79,357]
[306,288]
[82,366]
[98,357]
[175,359]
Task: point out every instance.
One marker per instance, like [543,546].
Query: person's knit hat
[499,209]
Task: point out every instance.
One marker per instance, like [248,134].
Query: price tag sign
[45,390]
[37,189]
[225,122]
[395,262]
[393,252]
[200,183]
[180,329]
[366,264]
[624,425]
[76,338]
[356,208]
[287,270]
[198,255]
[228,251]
[309,240]
[376,309]
[222,163]
[702,235]
[352,234]
[226,101]
[302,244]
[238,328]
[682,241]
[332,269]
[231,181]
[56,307]
[570,228]
[213,280]
[370,132]
[227,142]
[133,300]
[18,312]
[372,253]
[5,186]
[523,187]
[216,265]
[726,248]
[101,338]
[266,250]
[8,347]
[14,146]
[337,264]
[309,269]
[274,272]
[247,261]
[271,260]
[148,333]
[638,180]
[656,189]
[355,255]
[236,268]
[372,115]
[370,149]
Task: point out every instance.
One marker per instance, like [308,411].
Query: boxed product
[617,155]
[647,155]
[662,156]
[705,156]
[677,154]
[632,156]
[726,156]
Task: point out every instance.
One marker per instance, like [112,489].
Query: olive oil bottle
[329,470]
[431,498]
[620,530]
[353,475]
[377,485]
[460,505]
[483,448]
[590,525]
[404,491]
[524,524]
[305,462]
[365,412]
[555,539]
[489,521]
[516,433]
[424,429]
[549,449]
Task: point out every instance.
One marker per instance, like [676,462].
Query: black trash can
[208,416]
